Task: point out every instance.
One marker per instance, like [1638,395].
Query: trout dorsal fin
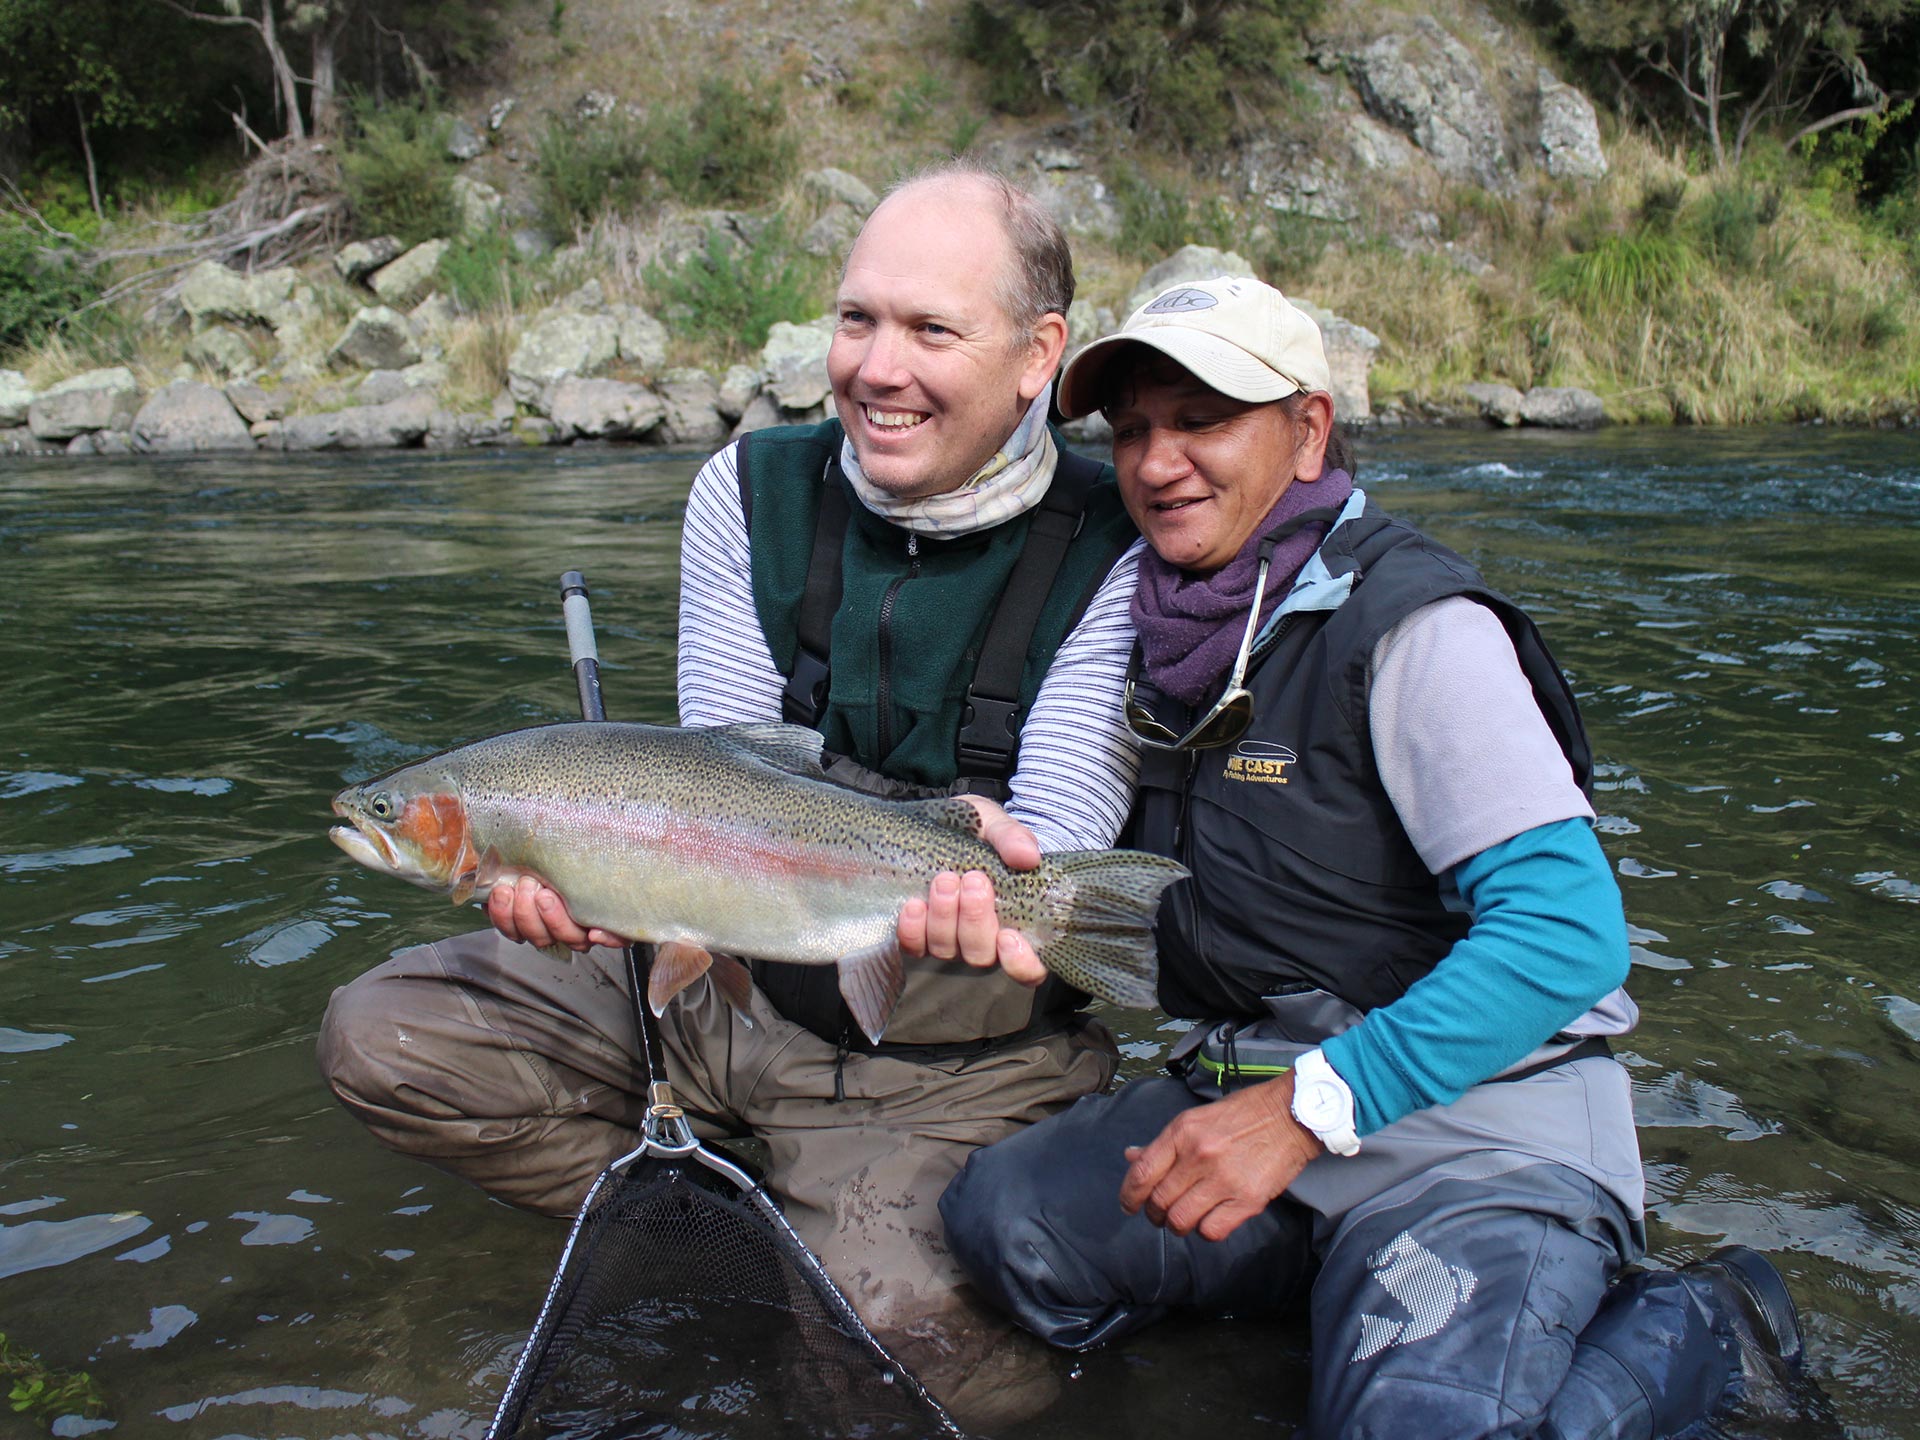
[953,813]
[792,748]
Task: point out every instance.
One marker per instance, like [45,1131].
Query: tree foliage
[1186,71]
[1736,69]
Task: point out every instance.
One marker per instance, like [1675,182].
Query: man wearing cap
[1401,944]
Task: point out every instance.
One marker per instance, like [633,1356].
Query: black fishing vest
[915,657]
[1303,877]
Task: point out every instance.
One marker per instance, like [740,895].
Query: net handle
[666,1129]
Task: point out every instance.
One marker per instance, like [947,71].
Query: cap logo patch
[1175,301]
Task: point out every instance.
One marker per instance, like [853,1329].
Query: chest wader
[986,747]
[679,1255]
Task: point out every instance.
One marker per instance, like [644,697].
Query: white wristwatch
[1323,1103]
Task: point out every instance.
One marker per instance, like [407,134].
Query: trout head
[412,824]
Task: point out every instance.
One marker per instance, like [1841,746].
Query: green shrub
[730,146]
[588,167]
[1156,220]
[1174,70]
[1730,220]
[397,172]
[485,270]
[40,286]
[1622,272]
[730,294]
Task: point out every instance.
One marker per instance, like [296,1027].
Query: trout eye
[381,806]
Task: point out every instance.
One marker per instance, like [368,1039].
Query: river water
[199,653]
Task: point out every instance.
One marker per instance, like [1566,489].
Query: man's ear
[1314,421]
[1045,347]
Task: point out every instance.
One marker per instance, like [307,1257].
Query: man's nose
[882,365]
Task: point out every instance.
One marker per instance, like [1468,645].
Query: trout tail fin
[1104,942]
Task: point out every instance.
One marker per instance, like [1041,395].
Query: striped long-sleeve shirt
[1074,781]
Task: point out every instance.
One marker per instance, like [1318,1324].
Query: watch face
[1319,1105]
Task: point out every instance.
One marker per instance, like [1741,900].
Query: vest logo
[1180,301]
[1260,762]
[1427,1288]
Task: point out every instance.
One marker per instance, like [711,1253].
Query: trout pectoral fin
[870,982]
[676,965]
[735,983]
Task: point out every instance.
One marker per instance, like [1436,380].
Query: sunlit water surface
[197,654]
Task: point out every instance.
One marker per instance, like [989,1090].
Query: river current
[198,653]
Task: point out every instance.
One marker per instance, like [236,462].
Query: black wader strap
[989,738]
[804,700]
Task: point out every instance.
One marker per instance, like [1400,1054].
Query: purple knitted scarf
[1190,624]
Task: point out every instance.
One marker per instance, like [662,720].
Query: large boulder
[1562,408]
[478,204]
[189,416]
[603,410]
[833,234]
[837,186]
[1350,349]
[210,293]
[693,408]
[1569,132]
[15,398]
[98,400]
[1290,180]
[1080,203]
[642,339]
[794,361]
[1427,85]
[223,350]
[377,338]
[394,425]
[405,282]
[737,389]
[561,345]
[363,257]
[254,402]
[1498,404]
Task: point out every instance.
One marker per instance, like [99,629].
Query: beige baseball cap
[1234,333]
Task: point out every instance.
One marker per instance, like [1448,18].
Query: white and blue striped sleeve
[726,672]
[1078,762]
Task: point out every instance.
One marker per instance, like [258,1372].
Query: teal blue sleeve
[1548,940]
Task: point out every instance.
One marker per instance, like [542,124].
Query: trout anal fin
[675,966]
[871,982]
[735,983]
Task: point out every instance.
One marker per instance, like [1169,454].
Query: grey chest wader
[986,750]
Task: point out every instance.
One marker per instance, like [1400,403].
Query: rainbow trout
[730,841]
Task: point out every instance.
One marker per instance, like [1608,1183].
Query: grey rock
[537,430]
[410,279]
[101,442]
[223,350]
[843,188]
[761,413]
[1350,349]
[1089,429]
[1562,408]
[97,400]
[377,338]
[833,234]
[1569,132]
[15,397]
[380,386]
[210,293]
[465,143]
[603,410]
[693,408]
[363,257]
[698,231]
[794,360]
[1499,404]
[254,402]
[1374,147]
[186,417]
[397,424]
[503,407]
[561,345]
[449,430]
[1079,202]
[737,389]
[166,313]
[19,440]
[1087,322]
[479,206]
[531,243]
[497,112]
[1301,185]
[642,339]
[1427,85]
[1185,265]
[595,105]
[1055,157]
[433,317]
[589,299]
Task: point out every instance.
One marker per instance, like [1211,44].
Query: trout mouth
[365,842]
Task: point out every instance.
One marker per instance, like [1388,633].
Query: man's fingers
[1018,959]
[977,933]
[1147,1169]
[1226,1218]
[1013,842]
[911,927]
[500,911]
[558,922]
[943,916]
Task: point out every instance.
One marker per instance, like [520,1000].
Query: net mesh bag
[685,1306]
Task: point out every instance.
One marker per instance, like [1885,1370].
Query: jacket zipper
[885,717]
